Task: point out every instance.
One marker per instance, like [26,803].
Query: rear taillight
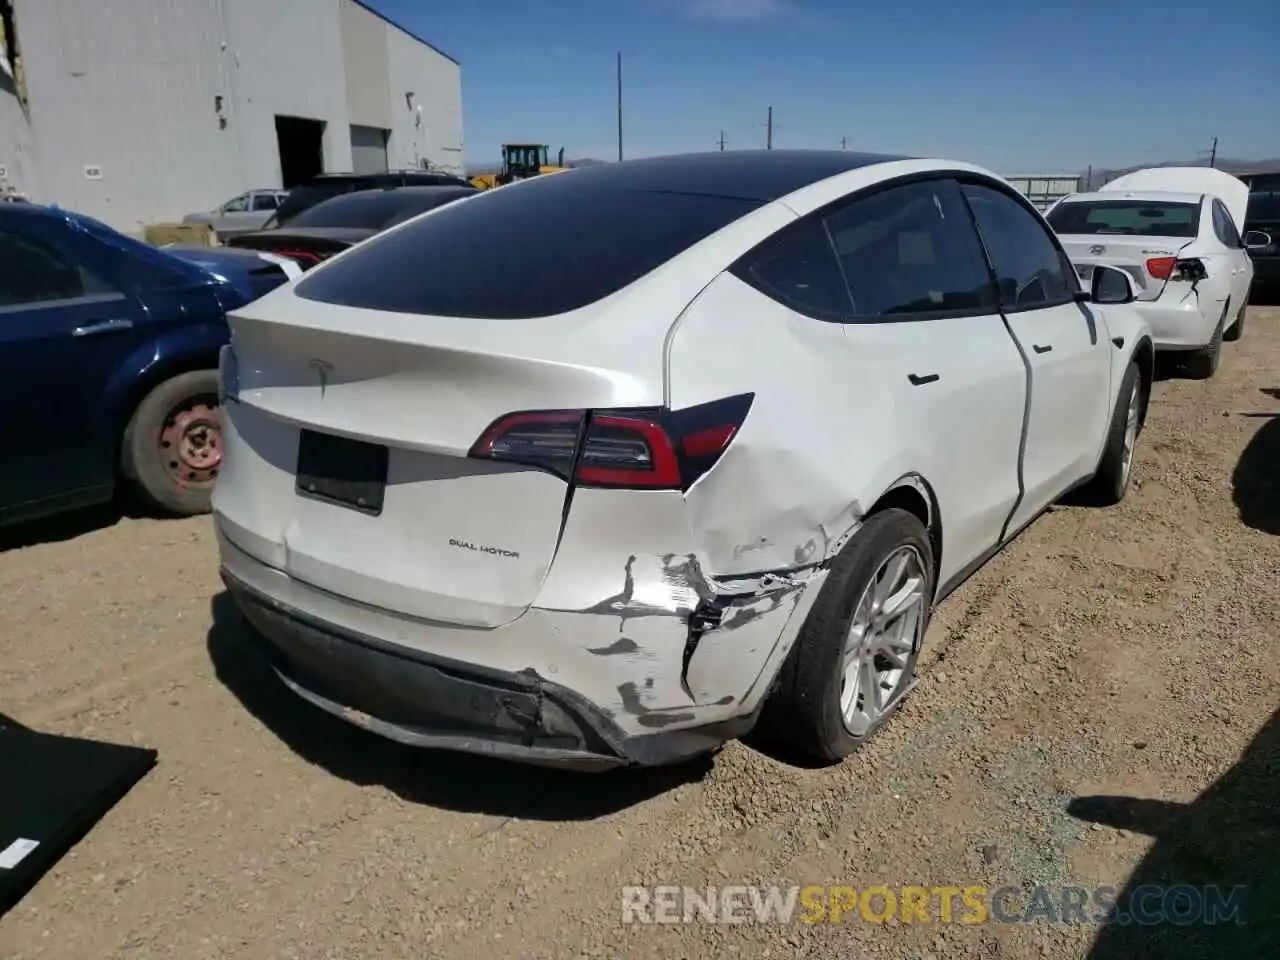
[304,258]
[1191,269]
[652,449]
[1162,268]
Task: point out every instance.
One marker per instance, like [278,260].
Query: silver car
[243,214]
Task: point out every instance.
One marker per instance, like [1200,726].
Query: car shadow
[439,778]
[62,526]
[1228,838]
[1255,482]
[1168,366]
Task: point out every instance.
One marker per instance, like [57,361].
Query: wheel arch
[164,368]
[913,493]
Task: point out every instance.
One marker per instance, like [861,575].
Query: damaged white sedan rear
[1176,231]
[610,467]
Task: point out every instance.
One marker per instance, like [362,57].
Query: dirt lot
[1132,652]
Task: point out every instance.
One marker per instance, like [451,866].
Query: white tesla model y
[607,467]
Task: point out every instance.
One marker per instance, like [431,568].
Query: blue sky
[1022,87]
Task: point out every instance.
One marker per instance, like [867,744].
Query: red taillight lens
[644,449]
[547,439]
[627,451]
[1161,267]
[304,258]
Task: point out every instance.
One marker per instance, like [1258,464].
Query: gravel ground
[1129,652]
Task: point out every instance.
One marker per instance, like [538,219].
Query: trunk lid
[455,539]
[306,247]
[1231,190]
[1126,253]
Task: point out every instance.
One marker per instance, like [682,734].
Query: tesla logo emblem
[322,370]
[1097,249]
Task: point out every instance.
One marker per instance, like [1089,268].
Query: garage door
[368,149]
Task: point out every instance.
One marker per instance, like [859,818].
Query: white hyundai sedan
[1177,232]
[604,468]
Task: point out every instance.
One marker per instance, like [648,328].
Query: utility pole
[768,141]
[1213,152]
[619,106]
[1088,180]
[844,143]
[721,141]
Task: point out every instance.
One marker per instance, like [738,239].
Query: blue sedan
[108,363]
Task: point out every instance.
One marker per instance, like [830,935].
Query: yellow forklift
[520,161]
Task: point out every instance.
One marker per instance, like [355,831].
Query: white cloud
[733,11]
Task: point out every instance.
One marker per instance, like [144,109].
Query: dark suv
[1263,215]
[328,185]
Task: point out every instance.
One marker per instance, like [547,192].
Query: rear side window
[535,249]
[798,268]
[1138,218]
[1225,227]
[33,272]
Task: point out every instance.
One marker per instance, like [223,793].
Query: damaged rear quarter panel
[817,449]
[645,631]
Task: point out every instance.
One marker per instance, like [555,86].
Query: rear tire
[172,447]
[805,710]
[1115,470]
[1203,363]
[1237,328]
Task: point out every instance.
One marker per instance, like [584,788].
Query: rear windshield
[534,249]
[1138,218]
[373,211]
[308,195]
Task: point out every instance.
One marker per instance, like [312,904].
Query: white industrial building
[140,111]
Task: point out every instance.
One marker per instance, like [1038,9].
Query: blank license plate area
[349,473]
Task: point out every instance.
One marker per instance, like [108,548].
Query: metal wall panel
[147,110]
[368,149]
[123,123]
[364,61]
[428,125]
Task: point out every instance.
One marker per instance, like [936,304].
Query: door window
[907,252]
[911,251]
[1225,227]
[1030,267]
[33,272]
[265,201]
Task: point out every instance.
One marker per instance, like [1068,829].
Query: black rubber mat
[52,791]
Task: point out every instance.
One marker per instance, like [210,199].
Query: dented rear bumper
[555,688]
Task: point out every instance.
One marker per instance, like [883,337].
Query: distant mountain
[1238,167]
